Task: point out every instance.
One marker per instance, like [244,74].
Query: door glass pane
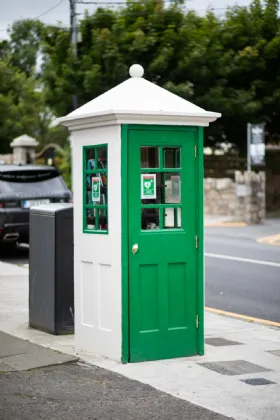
[167,188]
[150,219]
[172,157]
[172,218]
[151,189]
[149,157]
[172,188]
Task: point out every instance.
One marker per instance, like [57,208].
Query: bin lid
[51,208]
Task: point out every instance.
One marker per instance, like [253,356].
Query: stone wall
[273,181]
[241,199]
[272,192]
[219,196]
[6,159]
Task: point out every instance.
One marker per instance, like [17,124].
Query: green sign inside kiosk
[95,189]
[148,186]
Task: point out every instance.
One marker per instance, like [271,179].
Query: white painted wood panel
[97,257]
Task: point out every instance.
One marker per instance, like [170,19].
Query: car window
[32,181]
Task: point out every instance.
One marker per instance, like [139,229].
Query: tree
[228,65]
[23,109]
[25,39]
[20,105]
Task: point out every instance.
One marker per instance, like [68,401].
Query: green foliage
[229,65]
[25,38]
[66,166]
[20,105]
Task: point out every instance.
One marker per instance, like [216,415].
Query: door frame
[199,168]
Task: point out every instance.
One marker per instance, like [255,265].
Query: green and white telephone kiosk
[138,222]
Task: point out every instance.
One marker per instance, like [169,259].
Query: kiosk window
[161,202]
[95,189]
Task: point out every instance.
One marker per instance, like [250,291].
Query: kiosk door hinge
[197,321]
[196,241]
[195,153]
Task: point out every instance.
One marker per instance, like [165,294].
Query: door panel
[162,222]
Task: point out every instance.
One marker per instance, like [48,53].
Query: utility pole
[73,39]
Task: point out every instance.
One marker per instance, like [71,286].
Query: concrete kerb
[270,240]
[221,221]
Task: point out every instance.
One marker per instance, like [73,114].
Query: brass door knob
[134,248]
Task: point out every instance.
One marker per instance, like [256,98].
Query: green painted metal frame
[89,206]
[124,245]
[199,227]
[200,233]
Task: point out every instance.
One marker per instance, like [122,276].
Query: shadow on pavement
[14,255]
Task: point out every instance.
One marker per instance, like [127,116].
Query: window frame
[85,206]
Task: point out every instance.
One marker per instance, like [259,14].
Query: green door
[162,243]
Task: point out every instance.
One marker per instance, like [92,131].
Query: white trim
[105,118]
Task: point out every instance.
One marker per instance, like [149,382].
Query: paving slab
[17,354]
[10,345]
[6,368]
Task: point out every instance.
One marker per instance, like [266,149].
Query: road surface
[238,278]
[242,275]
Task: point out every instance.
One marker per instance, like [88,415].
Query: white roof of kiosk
[138,101]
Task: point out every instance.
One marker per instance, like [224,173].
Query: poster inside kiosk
[148,186]
[95,192]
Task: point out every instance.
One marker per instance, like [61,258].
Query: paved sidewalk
[239,376]
[20,355]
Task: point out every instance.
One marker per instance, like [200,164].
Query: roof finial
[136,70]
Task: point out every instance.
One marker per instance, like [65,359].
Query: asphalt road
[71,392]
[233,285]
[237,285]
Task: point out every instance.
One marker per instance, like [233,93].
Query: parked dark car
[22,187]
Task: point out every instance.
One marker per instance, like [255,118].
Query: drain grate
[275,352]
[234,367]
[219,342]
[257,381]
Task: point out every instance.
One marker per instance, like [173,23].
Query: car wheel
[9,247]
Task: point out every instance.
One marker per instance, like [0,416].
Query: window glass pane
[172,218]
[90,219]
[96,219]
[150,219]
[102,157]
[149,157]
[96,189]
[90,159]
[172,157]
[103,219]
[172,189]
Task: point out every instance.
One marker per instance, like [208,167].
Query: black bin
[51,271]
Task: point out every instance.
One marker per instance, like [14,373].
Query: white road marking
[246,260]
